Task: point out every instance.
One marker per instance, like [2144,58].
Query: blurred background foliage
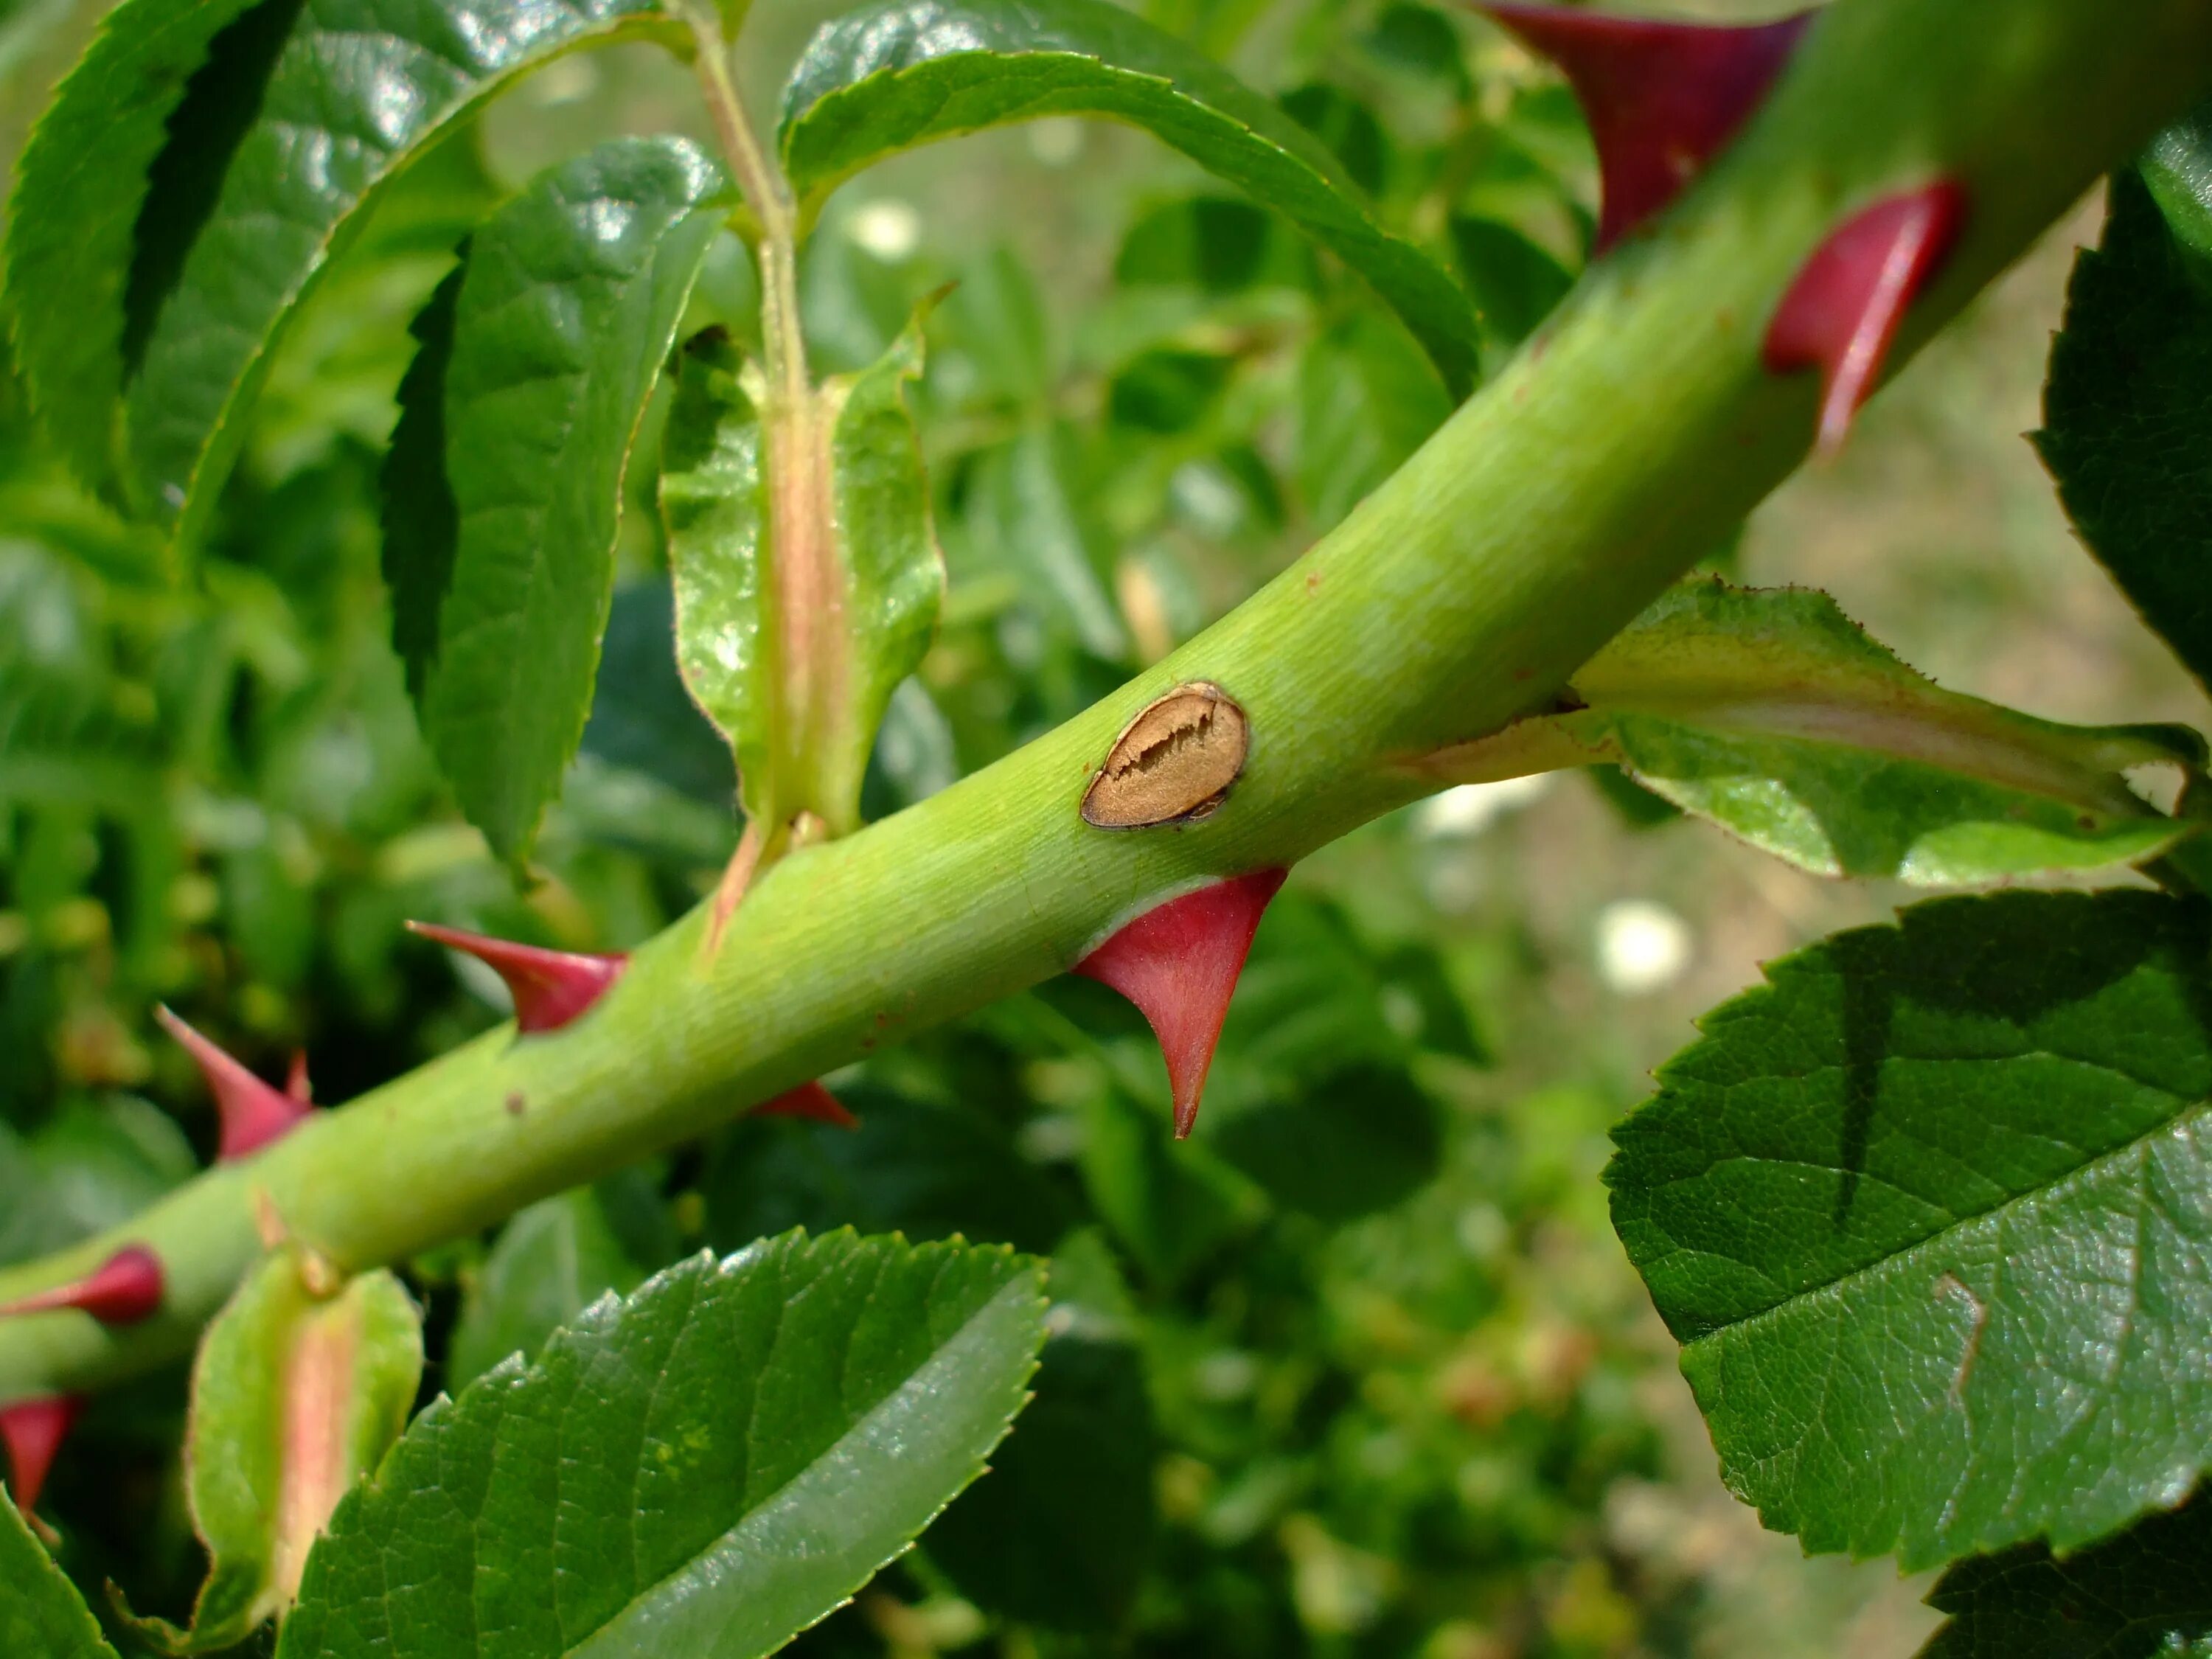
[1360,1370]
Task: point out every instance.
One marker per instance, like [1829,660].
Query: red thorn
[122,1291]
[34,1431]
[1662,98]
[812,1102]
[296,1085]
[1842,312]
[550,987]
[253,1113]
[1178,963]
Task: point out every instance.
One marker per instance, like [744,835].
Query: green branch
[1542,519]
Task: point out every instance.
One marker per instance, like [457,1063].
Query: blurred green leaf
[1060,1532]
[2127,421]
[2145,1593]
[295,1396]
[1167,390]
[1343,1145]
[1217,244]
[568,308]
[641,717]
[93,1166]
[1170,1204]
[891,76]
[1514,282]
[1024,517]
[551,1262]
[1367,400]
[1770,712]
[422,521]
[796,1413]
[1347,127]
[1926,1212]
[41,1614]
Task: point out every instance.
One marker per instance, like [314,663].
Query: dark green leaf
[2147,1593]
[1928,1213]
[1366,401]
[1170,1204]
[1514,282]
[1218,244]
[567,310]
[1345,1144]
[925,1170]
[1060,1532]
[893,76]
[296,1396]
[93,1166]
[1771,714]
[365,86]
[705,1468]
[641,717]
[41,1614]
[551,1262]
[421,521]
[2127,417]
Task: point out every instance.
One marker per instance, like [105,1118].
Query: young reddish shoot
[550,987]
[122,1291]
[253,1113]
[1178,963]
[1842,312]
[1662,99]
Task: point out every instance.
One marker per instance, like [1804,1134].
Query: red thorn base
[34,1431]
[122,1291]
[1662,98]
[1842,312]
[550,987]
[1178,963]
[253,1113]
[812,1102]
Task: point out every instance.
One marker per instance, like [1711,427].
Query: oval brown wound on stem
[1173,763]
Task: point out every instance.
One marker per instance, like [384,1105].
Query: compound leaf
[1771,714]
[1929,1214]
[567,310]
[704,1469]
[891,76]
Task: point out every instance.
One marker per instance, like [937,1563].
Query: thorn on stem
[1843,310]
[550,987]
[813,1102]
[1179,963]
[1662,99]
[122,1291]
[34,1431]
[253,1113]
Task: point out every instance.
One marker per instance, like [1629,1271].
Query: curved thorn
[1662,99]
[122,1291]
[812,1102]
[1179,963]
[34,1431]
[253,1113]
[550,987]
[1844,307]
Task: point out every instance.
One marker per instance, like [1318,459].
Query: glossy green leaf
[42,1616]
[362,88]
[2127,417]
[2145,1593]
[567,309]
[1366,401]
[295,1396]
[1928,1213]
[1772,714]
[793,645]
[80,189]
[703,1469]
[2177,165]
[551,1261]
[889,76]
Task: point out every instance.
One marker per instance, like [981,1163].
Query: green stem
[1543,517]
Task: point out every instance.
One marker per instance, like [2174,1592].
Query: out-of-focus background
[1362,1370]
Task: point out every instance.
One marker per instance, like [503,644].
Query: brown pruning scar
[1173,763]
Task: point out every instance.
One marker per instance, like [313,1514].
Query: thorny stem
[1633,432]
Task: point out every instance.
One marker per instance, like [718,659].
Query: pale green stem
[1542,518]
